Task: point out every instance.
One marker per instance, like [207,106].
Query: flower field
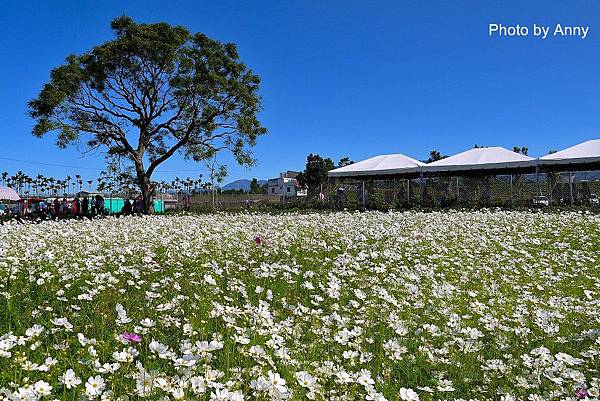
[362,306]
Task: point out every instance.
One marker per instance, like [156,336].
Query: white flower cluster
[487,305]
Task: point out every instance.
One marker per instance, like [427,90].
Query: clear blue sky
[355,78]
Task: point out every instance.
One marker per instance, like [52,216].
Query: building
[285,186]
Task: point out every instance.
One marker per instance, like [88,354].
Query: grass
[453,305]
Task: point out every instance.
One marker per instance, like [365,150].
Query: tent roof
[585,152]
[7,193]
[379,165]
[494,157]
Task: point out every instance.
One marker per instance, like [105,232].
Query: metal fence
[515,190]
[560,188]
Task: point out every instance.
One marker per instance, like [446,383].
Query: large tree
[315,173]
[153,91]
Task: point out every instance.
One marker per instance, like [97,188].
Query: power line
[242,176]
[50,164]
[85,168]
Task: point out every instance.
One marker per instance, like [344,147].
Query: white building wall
[282,186]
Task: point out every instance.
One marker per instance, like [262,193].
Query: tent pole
[363,193]
[549,185]
[511,189]
[571,187]
[457,188]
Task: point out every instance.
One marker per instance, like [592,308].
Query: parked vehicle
[541,201]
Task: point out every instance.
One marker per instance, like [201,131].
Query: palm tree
[67,183]
[17,180]
[38,182]
[28,182]
[79,181]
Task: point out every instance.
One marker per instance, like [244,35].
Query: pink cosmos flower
[131,337]
[258,239]
[581,393]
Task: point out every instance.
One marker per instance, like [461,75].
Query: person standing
[65,206]
[100,204]
[56,204]
[85,206]
[43,206]
[127,209]
[76,206]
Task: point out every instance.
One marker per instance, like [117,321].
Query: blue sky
[355,78]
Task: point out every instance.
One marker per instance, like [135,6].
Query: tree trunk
[145,187]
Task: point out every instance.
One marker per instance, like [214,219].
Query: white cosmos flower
[274,379]
[94,386]
[160,349]
[260,384]
[365,380]
[305,379]
[62,321]
[408,394]
[236,396]
[445,385]
[220,395]
[205,346]
[198,385]
[209,279]
[35,330]
[25,394]
[147,322]
[344,377]
[69,379]
[122,315]
[42,388]
[375,396]
[178,393]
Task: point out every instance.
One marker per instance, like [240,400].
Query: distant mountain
[241,184]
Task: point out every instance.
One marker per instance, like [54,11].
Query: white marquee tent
[7,193]
[583,153]
[379,165]
[490,158]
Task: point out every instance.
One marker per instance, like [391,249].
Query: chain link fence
[518,190]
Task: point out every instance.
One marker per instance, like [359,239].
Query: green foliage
[315,173]
[435,155]
[345,161]
[522,150]
[255,187]
[376,201]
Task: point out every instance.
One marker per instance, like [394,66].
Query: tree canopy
[345,161]
[435,155]
[153,91]
[315,173]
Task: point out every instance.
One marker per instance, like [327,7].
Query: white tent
[583,153]
[7,193]
[379,165]
[491,158]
